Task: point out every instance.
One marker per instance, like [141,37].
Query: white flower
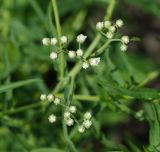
[99,26]
[87,124]
[46,41]
[67,115]
[112,29]
[72,109]
[123,47]
[81,38]
[43,97]
[81,129]
[79,52]
[53,55]
[64,39]
[85,65]
[52,118]
[119,23]
[125,39]
[109,35]
[107,24]
[69,122]
[94,61]
[72,54]
[87,115]
[53,41]
[57,101]
[50,97]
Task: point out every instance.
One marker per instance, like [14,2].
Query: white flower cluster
[53,41]
[86,124]
[125,41]
[50,98]
[91,62]
[110,30]
[68,115]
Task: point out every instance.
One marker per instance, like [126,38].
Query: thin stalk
[58,28]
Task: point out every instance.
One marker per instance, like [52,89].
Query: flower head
[109,35]
[107,24]
[72,109]
[123,47]
[67,115]
[119,23]
[43,97]
[112,29]
[53,41]
[79,52]
[46,41]
[81,38]
[72,54]
[69,122]
[53,55]
[57,101]
[94,61]
[125,39]
[64,39]
[52,118]
[85,65]
[87,124]
[50,97]
[81,129]
[87,115]
[99,26]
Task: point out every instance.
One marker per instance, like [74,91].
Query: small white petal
[99,26]
[57,101]
[53,41]
[52,118]
[53,55]
[43,97]
[69,122]
[72,54]
[87,124]
[81,38]
[94,61]
[119,23]
[72,109]
[81,129]
[85,65]
[64,39]
[46,41]
[87,115]
[107,24]
[125,39]
[79,52]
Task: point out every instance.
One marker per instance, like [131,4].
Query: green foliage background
[122,97]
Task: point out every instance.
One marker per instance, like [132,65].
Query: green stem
[110,9]
[65,131]
[58,27]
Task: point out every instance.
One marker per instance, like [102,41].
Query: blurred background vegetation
[120,124]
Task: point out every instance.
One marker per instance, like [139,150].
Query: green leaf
[138,93]
[18,84]
[47,150]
